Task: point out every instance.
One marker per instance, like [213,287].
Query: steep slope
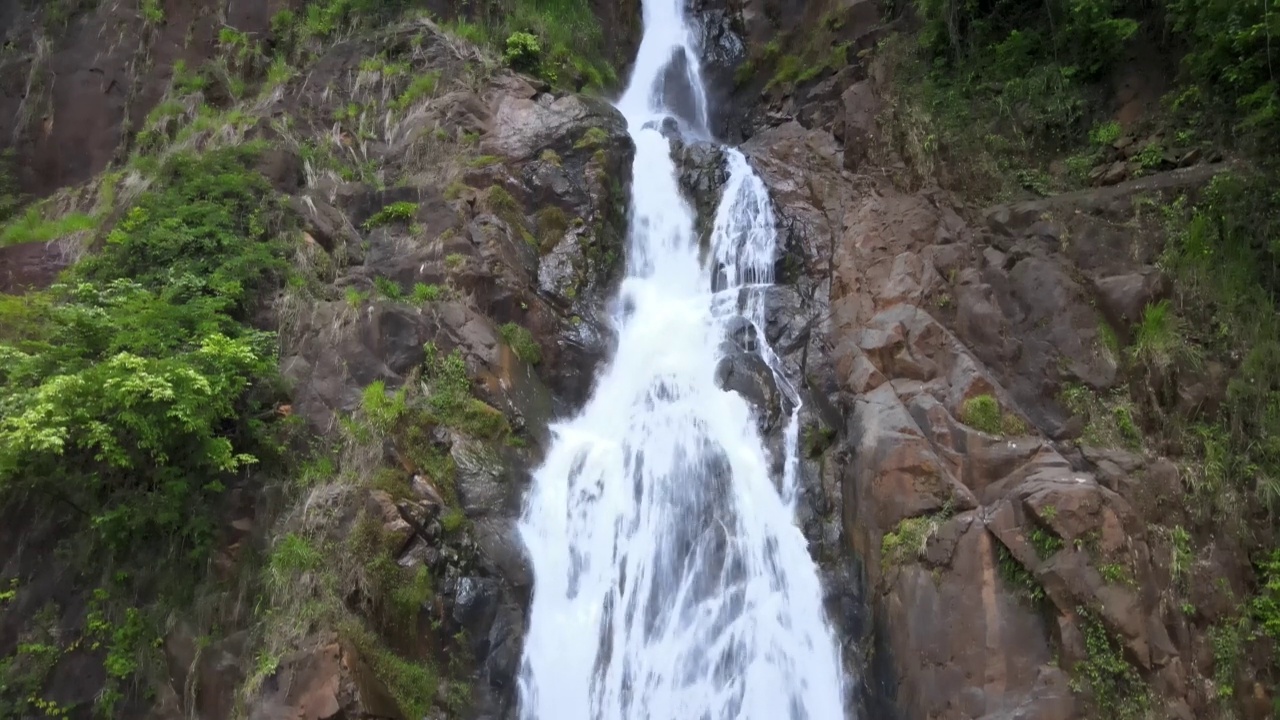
[429,238]
[1032,450]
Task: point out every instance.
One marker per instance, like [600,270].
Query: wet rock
[748,375]
[475,605]
[703,172]
[483,487]
[502,662]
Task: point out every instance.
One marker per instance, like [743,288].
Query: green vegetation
[816,438]
[397,212]
[593,137]
[552,224]
[1109,419]
[351,581]
[421,87]
[1045,542]
[1116,688]
[10,195]
[983,413]
[523,52]
[32,226]
[908,541]
[388,289]
[424,293]
[129,392]
[1018,577]
[790,60]
[521,342]
[560,41]
[133,394]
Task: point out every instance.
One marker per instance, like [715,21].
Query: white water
[671,582]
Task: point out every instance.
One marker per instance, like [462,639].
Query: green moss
[815,439]
[453,520]
[412,683]
[593,137]
[552,224]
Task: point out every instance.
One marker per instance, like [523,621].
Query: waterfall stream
[671,582]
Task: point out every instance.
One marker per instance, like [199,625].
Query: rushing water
[671,582]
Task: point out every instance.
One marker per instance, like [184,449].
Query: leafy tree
[133,392]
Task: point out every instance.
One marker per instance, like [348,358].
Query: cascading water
[671,582]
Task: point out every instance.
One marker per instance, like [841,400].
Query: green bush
[397,212]
[133,393]
[1009,38]
[522,343]
[1230,60]
[523,52]
[982,413]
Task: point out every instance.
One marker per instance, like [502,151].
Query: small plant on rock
[983,413]
[424,293]
[909,539]
[402,212]
[523,52]
[522,343]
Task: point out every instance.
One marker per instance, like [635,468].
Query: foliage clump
[908,540]
[983,413]
[133,392]
[521,342]
[397,212]
[523,52]
[1114,685]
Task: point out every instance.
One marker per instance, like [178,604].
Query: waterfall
[670,579]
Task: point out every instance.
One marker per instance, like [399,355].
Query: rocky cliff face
[994,544]
[1005,549]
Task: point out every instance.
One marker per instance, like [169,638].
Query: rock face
[980,566]
[966,532]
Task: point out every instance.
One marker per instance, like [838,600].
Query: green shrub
[982,413]
[1230,62]
[424,293]
[522,343]
[523,52]
[133,393]
[388,288]
[1116,687]
[908,540]
[397,212]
